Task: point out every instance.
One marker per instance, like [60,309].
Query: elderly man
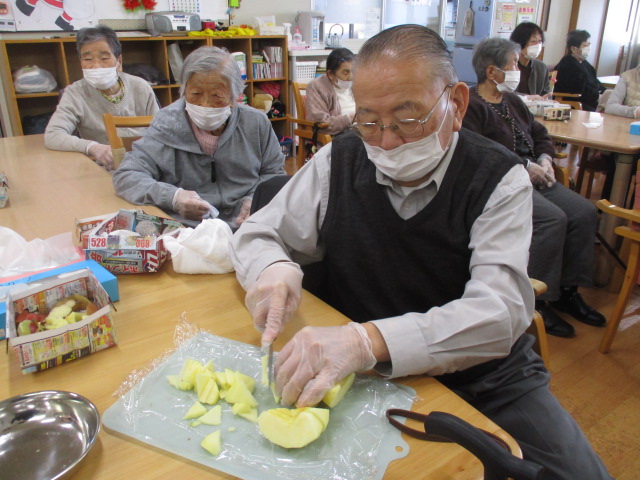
[422,229]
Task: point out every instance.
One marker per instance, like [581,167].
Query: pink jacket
[322,106]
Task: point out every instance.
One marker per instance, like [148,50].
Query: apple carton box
[129,241]
[50,348]
[108,281]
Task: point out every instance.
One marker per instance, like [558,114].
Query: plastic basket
[304,71]
[286,144]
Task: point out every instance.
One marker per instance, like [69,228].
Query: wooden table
[612,135]
[48,191]
[610,81]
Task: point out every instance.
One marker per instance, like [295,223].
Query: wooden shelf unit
[59,56]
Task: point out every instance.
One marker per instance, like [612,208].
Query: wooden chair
[568,99]
[631,233]
[304,128]
[536,328]
[120,145]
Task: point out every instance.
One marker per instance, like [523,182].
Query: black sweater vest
[378,265]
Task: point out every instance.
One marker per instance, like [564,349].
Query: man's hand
[273,299]
[317,358]
[102,155]
[189,204]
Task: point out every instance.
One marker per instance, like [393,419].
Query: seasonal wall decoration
[133,5]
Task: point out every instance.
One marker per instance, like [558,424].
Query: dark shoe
[63,24]
[571,302]
[553,324]
[24,7]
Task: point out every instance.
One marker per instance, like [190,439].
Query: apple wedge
[196,410]
[212,443]
[338,391]
[212,417]
[293,428]
[245,411]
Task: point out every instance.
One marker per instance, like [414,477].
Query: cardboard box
[129,241]
[50,348]
[108,281]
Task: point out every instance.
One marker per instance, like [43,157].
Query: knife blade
[270,365]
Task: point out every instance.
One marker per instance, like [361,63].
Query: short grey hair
[492,51]
[213,59]
[409,42]
[95,34]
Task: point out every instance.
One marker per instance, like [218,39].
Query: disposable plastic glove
[636,112]
[317,358]
[241,212]
[102,155]
[273,299]
[539,175]
[189,204]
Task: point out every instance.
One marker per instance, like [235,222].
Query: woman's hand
[189,204]
[540,176]
[102,155]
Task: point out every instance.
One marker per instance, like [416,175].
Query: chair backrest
[568,99]
[120,145]
[299,96]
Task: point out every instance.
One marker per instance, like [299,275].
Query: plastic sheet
[358,443]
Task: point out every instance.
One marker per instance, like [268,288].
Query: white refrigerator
[479,19]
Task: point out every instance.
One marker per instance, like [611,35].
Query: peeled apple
[338,391]
[293,428]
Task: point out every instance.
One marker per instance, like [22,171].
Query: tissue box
[108,281]
[634,128]
[537,107]
[50,348]
[140,251]
[270,30]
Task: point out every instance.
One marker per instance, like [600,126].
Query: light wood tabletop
[49,190]
[612,135]
[609,81]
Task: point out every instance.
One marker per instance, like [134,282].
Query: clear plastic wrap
[358,442]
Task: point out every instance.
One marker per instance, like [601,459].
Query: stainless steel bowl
[44,435]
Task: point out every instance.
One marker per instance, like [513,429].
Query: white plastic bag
[33,79]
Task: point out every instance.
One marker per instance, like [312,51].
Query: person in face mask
[534,74]
[417,230]
[564,222]
[77,123]
[576,74]
[204,154]
[329,96]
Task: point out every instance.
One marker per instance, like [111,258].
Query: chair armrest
[628,232]
[607,207]
[568,95]
[539,287]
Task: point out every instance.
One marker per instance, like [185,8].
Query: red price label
[97,242]
[142,242]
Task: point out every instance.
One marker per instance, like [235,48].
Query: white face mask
[101,78]
[585,51]
[207,118]
[533,51]
[410,161]
[343,84]
[511,81]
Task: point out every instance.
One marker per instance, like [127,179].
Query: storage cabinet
[59,56]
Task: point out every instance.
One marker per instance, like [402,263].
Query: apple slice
[196,410]
[293,428]
[212,443]
[338,391]
[177,382]
[238,392]
[264,360]
[212,417]
[190,369]
[207,389]
[245,411]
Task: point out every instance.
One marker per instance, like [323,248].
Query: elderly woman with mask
[104,88]
[329,97]
[204,154]
[564,223]
[534,74]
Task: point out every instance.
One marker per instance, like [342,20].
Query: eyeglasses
[405,128]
